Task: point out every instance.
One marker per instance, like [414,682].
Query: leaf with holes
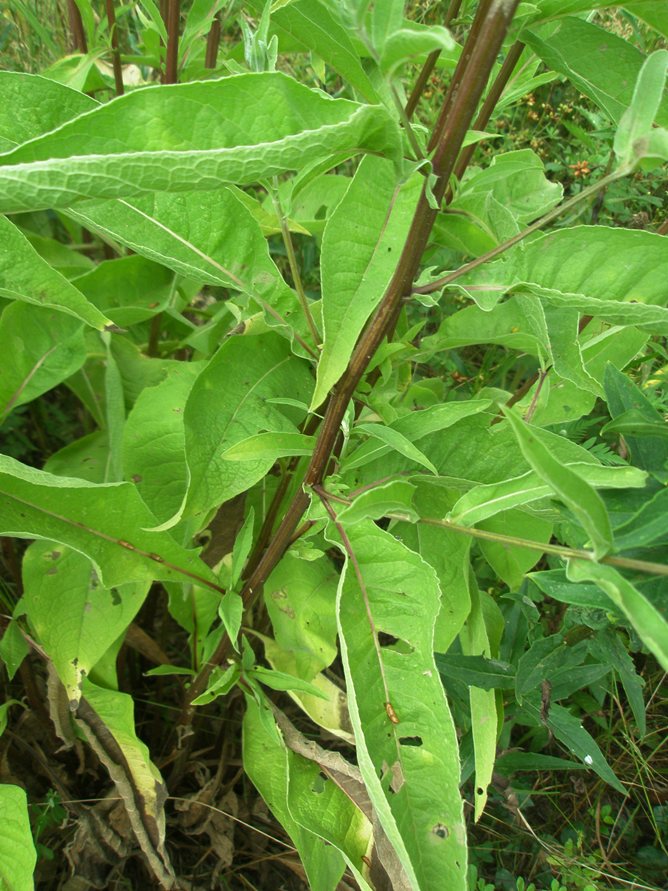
[406,741]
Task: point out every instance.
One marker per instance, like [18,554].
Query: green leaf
[176,138]
[636,123]
[45,346]
[301,601]
[4,709]
[397,442]
[265,762]
[609,648]
[585,503]
[411,42]
[510,562]
[649,451]
[208,236]
[31,105]
[554,583]
[154,440]
[220,684]
[484,719]
[227,404]
[74,618]
[517,181]
[242,547]
[565,348]
[648,525]
[270,447]
[656,15]
[319,805]
[476,671]
[393,497]
[129,290]
[652,628]
[310,25]
[488,500]
[410,768]
[231,611]
[568,729]
[106,523]
[24,275]
[361,246]
[280,680]
[598,63]
[414,426]
[616,274]
[18,856]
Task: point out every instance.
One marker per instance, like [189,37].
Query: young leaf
[269,447]
[577,495]
[311,25]
[18,856]
[652,628]
[406,743]
[397,442]
[176,138]
[360,249]
[74,618]
[636,123]
[231,611]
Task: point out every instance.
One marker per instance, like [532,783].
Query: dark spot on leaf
[136,478]
[386,640]
[115,597]
[55,555]
[480,791]
[410,741]
[440,830]
[52,571]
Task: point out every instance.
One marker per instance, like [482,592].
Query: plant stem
[76,28]
[488,106]
[212,43]
[489,29]
[534,227]
[172,59]
[575,553]
[115,54]
[292,261]
[429,64]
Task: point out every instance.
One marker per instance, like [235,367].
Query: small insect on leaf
[391,714]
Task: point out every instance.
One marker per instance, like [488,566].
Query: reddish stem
[478,56]
[115,53]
